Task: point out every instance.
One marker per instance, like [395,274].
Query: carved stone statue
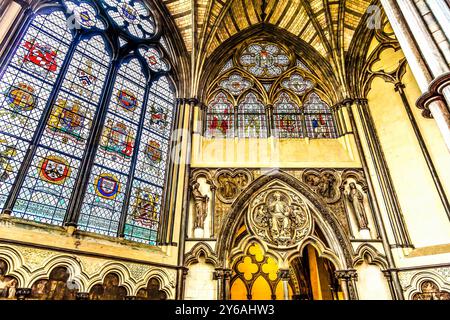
[200,203]
[280,214]
[356,200]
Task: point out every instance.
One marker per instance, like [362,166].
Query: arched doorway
[280,242]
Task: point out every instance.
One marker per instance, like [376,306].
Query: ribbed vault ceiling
[324,24]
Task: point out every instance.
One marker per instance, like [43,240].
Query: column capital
[23,293]
[347,102]
[284,274]
[227,273]
[387,274]
[218,274]
[193,101]
[349,274]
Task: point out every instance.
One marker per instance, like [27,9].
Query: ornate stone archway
[322,216]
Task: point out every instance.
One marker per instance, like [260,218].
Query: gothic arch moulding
[366,252]
[321,215]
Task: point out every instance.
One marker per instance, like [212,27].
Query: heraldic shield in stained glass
[68,79]
[117,139]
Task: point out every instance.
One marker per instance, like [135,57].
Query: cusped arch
[415,285]
[323,216]
[72,265]
[15,266]
[201,249]
[120,270]
[162,276]
[322,251]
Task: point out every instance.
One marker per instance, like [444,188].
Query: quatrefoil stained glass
[131,15]
[264,60]
[297,84]
[236,84]
[82,15]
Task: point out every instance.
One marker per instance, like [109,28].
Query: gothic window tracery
[220,118]
[70,113]
[291,108]
[287,117]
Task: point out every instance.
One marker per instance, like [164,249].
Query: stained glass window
[59,85]
[236,84]
[297,84]
[287,117]
[131,15]
[220,117]
[264,60]
[265,71]
[105,195]
[252,122]
[26,85]
[149,178]
[318,118]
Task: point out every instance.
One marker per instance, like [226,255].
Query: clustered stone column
[427,53]
[348,279]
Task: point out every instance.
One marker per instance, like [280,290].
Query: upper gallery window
[85,122]
[265,89]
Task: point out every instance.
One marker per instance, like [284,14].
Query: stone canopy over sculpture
[280,217]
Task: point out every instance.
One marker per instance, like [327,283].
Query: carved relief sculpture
[356,202]
[323,183]
[430,291]
[200,205]
[280,217]
[230,184]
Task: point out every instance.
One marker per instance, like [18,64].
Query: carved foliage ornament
[279,217]
[231,183]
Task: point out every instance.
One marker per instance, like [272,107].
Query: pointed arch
[323,217]
[201,249]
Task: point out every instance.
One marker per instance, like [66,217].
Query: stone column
[270,121]
[388,276]
[284,275]
[227,283]
[425,59]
